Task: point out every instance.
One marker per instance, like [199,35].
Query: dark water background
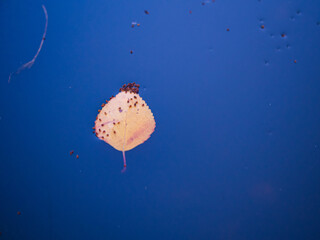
[236,150]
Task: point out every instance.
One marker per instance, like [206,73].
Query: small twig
[30,63]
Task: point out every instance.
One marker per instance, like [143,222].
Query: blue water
[236,150]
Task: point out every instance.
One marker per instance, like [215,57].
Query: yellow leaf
[125,121]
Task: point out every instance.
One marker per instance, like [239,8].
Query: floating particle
[128,128]
[207,2]
[135,24]
[295,61]
[228,29]
[77,156]
[131,52]
[283,35]
[262,26]
[18,213]
[190,11]
[270,133]
[146,12]
[71,152]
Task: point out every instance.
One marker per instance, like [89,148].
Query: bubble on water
[266,62]
[292,18]
[271,35]
[270,133]
[318,23]
[278,49]
[298,12]
[288,46]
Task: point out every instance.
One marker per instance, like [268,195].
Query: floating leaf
[125,121]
